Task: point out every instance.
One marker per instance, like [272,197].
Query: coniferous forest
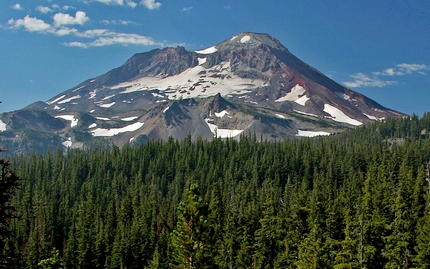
[359,199]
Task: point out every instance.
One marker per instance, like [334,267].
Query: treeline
[355,200]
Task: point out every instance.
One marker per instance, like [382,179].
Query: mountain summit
[247,83]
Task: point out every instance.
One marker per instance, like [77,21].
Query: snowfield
[71,118]
[129,118]
[69,99]
[339,116]
[68,143]
[2,126]
[295,95]
[107,105]
[222,133]
[194,82]
[55,100]
[209,50]
[114,131]
[311,133]
[221,114]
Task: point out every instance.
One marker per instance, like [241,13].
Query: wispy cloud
[128,3]
[44,10]
[16,6]
[108,38]
[117,22]
[186,8]
[377,79]
[53,8]
[150,4]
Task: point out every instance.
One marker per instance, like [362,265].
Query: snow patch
[339,116]
[343,96]
[92,125]
[2,126]
[77,89]
[311,133]
[167,108]
[71,118]
[107,97]
[114,131]
[222,133]
[245,39]
[280,116]
[129,118]
[55,100]
[102,118]
[304,113]
[57,107]
[233,38]
[193,83]
[209,50]
[302,100]
[69,99]
[202,60]
[107,105]
[294,95]
[221,114]
[68,143]
[371,117]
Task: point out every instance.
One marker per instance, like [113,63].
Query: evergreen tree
[192,238]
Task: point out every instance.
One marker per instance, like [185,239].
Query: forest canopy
[359,199]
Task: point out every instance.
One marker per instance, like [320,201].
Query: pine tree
[192,238]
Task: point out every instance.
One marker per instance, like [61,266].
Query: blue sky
[378,48]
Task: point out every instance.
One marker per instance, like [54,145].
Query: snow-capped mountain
[248,83]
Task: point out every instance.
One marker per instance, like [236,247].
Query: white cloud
[120,22]
[374,80]
[65,19]
[112,38]
[411,68]
[129,3]
[16,6]
[363,80]
[150,4]
[30,24]
[186,8]
[403,69]
[43,9]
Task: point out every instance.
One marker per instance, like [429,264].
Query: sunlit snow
[71,118]
[305,113]
[311,133]
[92,125]
[102,118]
[114,131]
[222,133]
[221,114]
[194,82]
[167,108]
[302,100]
[69,99]
[339,116]
[55,100]
[245,39]
[129,118]
[294,95]
[77,89]
[370,116]
[68,143]
[107,105]
[209,50]
[280,116]
[202,60]
[2,126]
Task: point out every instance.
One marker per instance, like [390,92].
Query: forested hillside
[359,199]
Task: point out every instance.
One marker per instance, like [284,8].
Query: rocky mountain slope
[247,84]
